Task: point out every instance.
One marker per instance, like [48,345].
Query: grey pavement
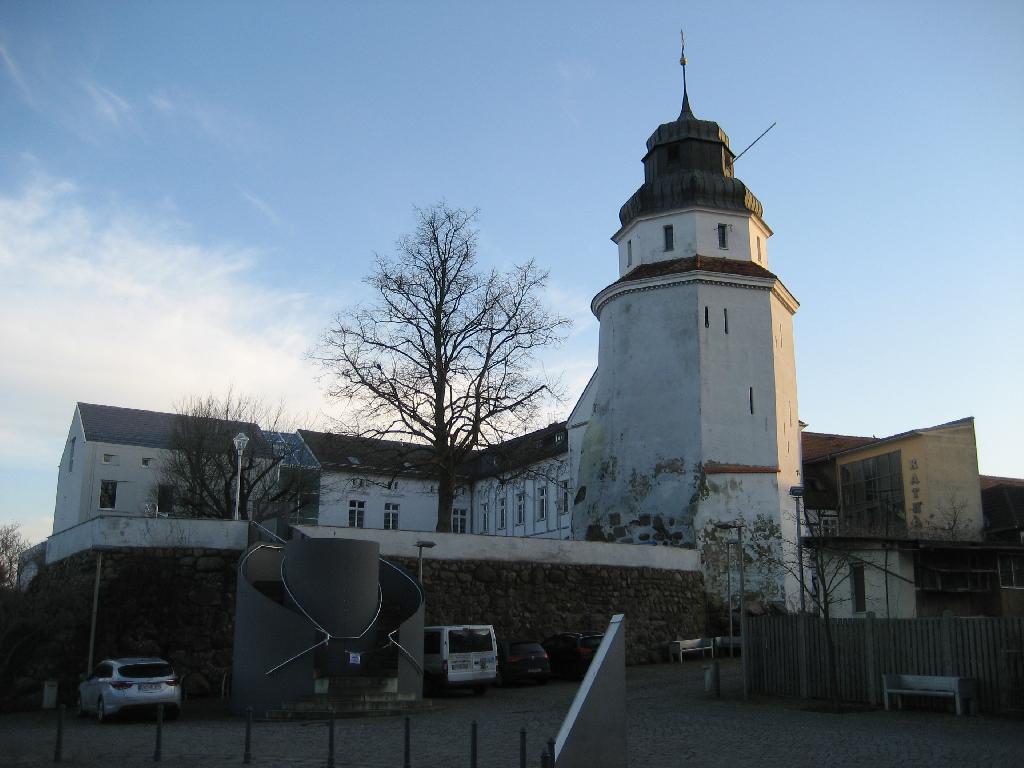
[672,722]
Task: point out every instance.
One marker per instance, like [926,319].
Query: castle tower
[691,417]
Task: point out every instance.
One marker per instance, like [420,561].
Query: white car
[119,684]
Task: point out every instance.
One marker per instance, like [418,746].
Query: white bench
[677,648]
[961,689]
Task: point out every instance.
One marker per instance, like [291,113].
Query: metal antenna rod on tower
[752,143]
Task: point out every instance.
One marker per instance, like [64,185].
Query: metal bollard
[159,732]
[522,747]
[407,760]
[59,747]
[330,741]
[247,755]
[472,745]
[712,680]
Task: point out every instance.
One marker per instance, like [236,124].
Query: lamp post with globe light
[241,440]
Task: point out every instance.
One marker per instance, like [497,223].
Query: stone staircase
[362,696]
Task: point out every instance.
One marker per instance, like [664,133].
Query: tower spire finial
[686,111]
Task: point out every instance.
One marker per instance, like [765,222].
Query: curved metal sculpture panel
[307,609]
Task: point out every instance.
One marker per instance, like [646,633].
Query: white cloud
[16,75]
[216,122]
[108,105]
[261,206]
[111,307]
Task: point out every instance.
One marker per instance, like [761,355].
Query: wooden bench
[702,645]
[961,689]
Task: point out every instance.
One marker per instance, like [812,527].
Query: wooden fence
[788,656]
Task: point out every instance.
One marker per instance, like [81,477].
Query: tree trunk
[445,500]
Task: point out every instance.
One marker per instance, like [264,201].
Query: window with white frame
[390,517]
[392,485]
[109,458]
[520,508]
[542,501]
[147,462]
[357,483]
[501,513]
[485,523]
[564,503]
[459,520]
[1011,571]
[108,494]
[356,510]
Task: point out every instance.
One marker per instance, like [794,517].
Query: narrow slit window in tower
[759,249]
[707,318]
[670,239]
[725,313]
[629,253]
[723,236]
[751,399]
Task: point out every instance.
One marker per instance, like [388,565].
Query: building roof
[817,446]
[150,429]
[127,426]
[696,264]
[519,452]
[368,454]
[992,481]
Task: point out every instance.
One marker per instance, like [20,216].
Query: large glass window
[542,502]
[501,513]
[872,494]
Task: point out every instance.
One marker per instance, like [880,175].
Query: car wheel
[80,707]
[101,716]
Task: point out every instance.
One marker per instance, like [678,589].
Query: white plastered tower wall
[694,415]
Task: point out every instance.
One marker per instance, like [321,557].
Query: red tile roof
[818,445]
[695,264]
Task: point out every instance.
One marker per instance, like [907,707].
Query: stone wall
[536,600]
[178,603]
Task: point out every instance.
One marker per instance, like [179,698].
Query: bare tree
[200,475]
[444,356]
[12,544]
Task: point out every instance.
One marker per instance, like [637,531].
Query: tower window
[723,235]
[759,249]
[707,318]
[725,312]
[629,253]
[751,399]
[670,238]
[673,153]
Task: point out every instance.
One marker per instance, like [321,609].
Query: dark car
[570,653]
[522,660]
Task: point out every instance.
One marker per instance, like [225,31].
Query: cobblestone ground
[672,722]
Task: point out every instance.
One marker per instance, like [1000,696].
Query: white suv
[118,684]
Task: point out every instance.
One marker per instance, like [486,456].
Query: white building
[691,418]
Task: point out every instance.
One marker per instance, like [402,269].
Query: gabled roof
[817,446]
[992,481]
[127,426]
[149,429]
[696,264]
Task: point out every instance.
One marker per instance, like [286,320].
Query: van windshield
[469,640]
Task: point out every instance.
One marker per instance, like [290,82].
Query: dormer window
[723,236]
[670,238]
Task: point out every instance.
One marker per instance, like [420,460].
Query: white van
[459,657]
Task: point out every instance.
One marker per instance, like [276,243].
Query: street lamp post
[422,544]
[241,440]
[738,526]
[797,492]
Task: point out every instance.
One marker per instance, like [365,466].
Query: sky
[189,191]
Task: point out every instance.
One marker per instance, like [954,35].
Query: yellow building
[896,526]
